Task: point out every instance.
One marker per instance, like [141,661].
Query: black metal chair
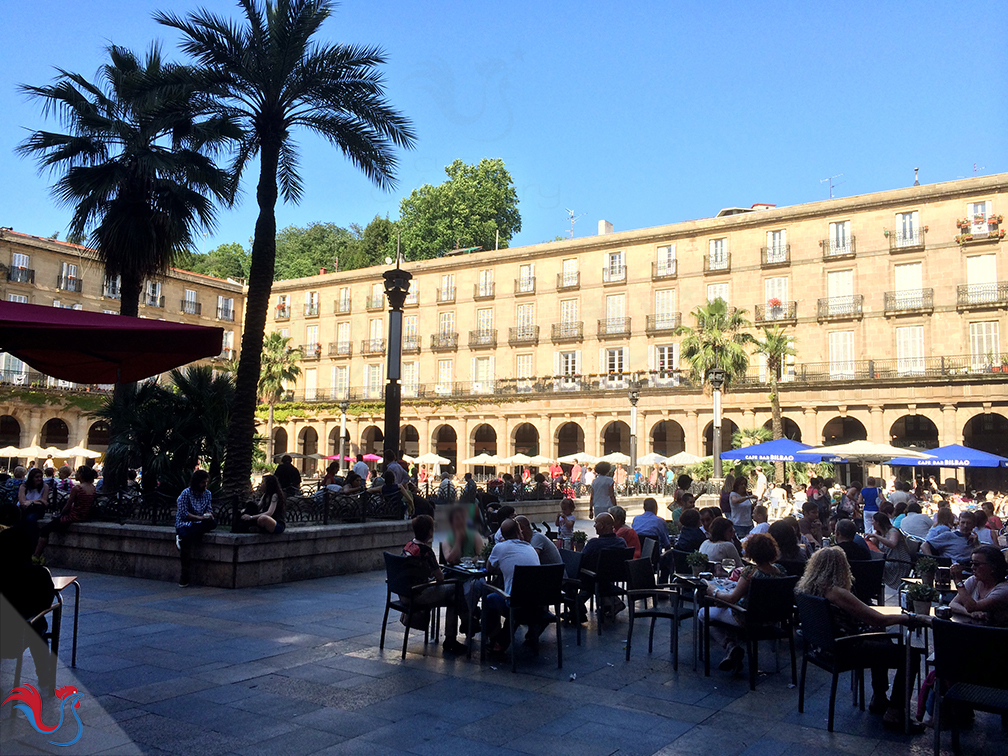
[793,567]
[403,579]
[641,587]
[533,588]
[573,588]
[649,551]
[14,625]
[768,615]
[828,649]
[608,573]
[974,679]
[868,585]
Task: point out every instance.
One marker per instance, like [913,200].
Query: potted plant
[697,561]
[925,569]
[922,596]
[579,539]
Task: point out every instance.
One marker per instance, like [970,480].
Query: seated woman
[353,484]
[762,551]
[828,576]
[784,533]
[720,544]
[892,544]
[33,495]
[984,596]
[463,542]
[271,507]
[77,508]
[329,479]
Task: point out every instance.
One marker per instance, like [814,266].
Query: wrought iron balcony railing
[152,301]
[661,271]
[375,302]
[983,296]
[444,342]
[372,347]
[849,307]
[525,285]
[225,313]
[527,335]
[613,328]
[341,306]
[775,257]
[21,275]
[911,241]
[569,281]
[282,312]
[665,322]
[340,349]
[483,339]
[717,263]
[776,312]
[311,309]
[614,275]
[568,331]
[483,291]
[69,283]
[446,294]
[913,301]
[191,307]
[834,250]
[411,345]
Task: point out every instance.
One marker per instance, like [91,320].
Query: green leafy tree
[467,210]
[271,72]
[279,366]
[775,344]
[375,242]
[718,340]
[302,252]
[134,162]
[750,437]
[229,260]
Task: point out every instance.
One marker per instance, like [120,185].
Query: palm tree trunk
[238,467]
[129,305]
[269,436]
[775,422]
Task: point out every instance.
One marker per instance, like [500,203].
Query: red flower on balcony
[774,302]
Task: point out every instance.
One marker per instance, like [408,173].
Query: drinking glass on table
[728,564]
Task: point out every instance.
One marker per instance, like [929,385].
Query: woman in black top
[271,507]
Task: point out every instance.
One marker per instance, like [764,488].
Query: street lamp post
[717,380]
[344,406]
[633,395]
[397,283]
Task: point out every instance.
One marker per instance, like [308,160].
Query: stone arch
[308,443]
[914,430]
[55,432]
[570,439]
[987,432]
[525,439]
[615,437]
[98,436]
[409,440]
[728,429]
[371,441]
[842,430]
[279,443]
[667,438]
[788,426]
[333,446]
[445,443]
[483,439]
[10,431]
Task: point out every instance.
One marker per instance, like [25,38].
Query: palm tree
[279,366]
[718,340]
[775,345]
[135,163]
[269,72]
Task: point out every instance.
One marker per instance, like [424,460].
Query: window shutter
[769,240]
[603,365]
[990,209]
[577,362]
[556,363]
[626,359]
[651,362]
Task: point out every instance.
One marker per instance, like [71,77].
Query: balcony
[717,263]
[311,351]
[483,291]
[341,306]
[663,323]
[849,307]
[281,312]
[21,275]
[444,342]
[775,257]
[150,300]
[311,309]
[190,307]
[227,353]
[69,283]
[111,290]
[833,250]
[225,313]
[569,281]
[523,336]
[524,286]
[446,295]
[980,230]
[568,332]
[614,275]
[412,299]
[912,241]
[375,302]
[411,345]
[372,347]
[987,296]
[484,339]
[776,312]
[914,301]
[340,349]
[614,328]
[664,270]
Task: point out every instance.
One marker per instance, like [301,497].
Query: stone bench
[229,560]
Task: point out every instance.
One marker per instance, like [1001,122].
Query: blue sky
[640,113]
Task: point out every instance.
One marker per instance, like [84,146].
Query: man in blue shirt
[650,525]
[956,544]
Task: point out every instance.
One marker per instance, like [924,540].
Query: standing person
[565,522]
[761,483]
[621,478]
[288,476]
[726,489]
[271,507]
[77,508]
[890,541]
[871,497]
[740,502]
[49,466]
[555,472]
[193,518]
[361,467]
[576,473]
[603,490]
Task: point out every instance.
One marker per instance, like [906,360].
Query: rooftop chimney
[604,227]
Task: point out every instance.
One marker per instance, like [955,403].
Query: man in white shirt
[914,522]
[545,548]
[506,555]
[361,467]
[761,484]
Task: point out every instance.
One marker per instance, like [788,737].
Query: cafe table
[914,621]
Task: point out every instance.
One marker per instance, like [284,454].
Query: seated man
[507,554]
[426,568]
[606,538]
[288,476]
[446,492]
[545,548]
[914,522]
[649,525]
[627,534]
[852,544]
[760,515]
[943,541]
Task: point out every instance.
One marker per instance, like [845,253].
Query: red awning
[91,347]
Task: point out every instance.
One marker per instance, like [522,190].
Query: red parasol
[91,347]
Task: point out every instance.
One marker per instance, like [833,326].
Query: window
[447,291]
[569,273]
[787,372]
[410,330]
[376,333]
[907,230]
[664,363]
[311,341]
[285,332]
[20,298]
[373,381]
[985,346]
[615,309]
[484,321]
[525,318]
[410,379]
[446,323]
[483,375]
[664,309]
[153,294]
[526,277]
[776,246]
[840,238]
[614,361]
[841,355]
[717,291]
[377,298]
[909,285]
[225,308]
[981,279]
[14,370]
[111,287]
[568,311]
[523,372]
[344,299]
[342,336]
[227,345]
[340,381]
[311,304]
[775,291]
[444,377]
[840,290]
[19,260]
[68,278]
[718,254]
[485,288]
[615,269]
[665,261]
[412,296]
[910,350]
[567,366]
[190,295]
[978,214]
[310,384]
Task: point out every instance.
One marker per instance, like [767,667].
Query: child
[565,524]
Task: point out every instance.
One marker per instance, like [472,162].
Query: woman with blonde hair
[828,576]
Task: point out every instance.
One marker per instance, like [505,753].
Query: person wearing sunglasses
[984,596]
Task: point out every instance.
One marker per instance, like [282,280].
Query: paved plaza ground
[295,669]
